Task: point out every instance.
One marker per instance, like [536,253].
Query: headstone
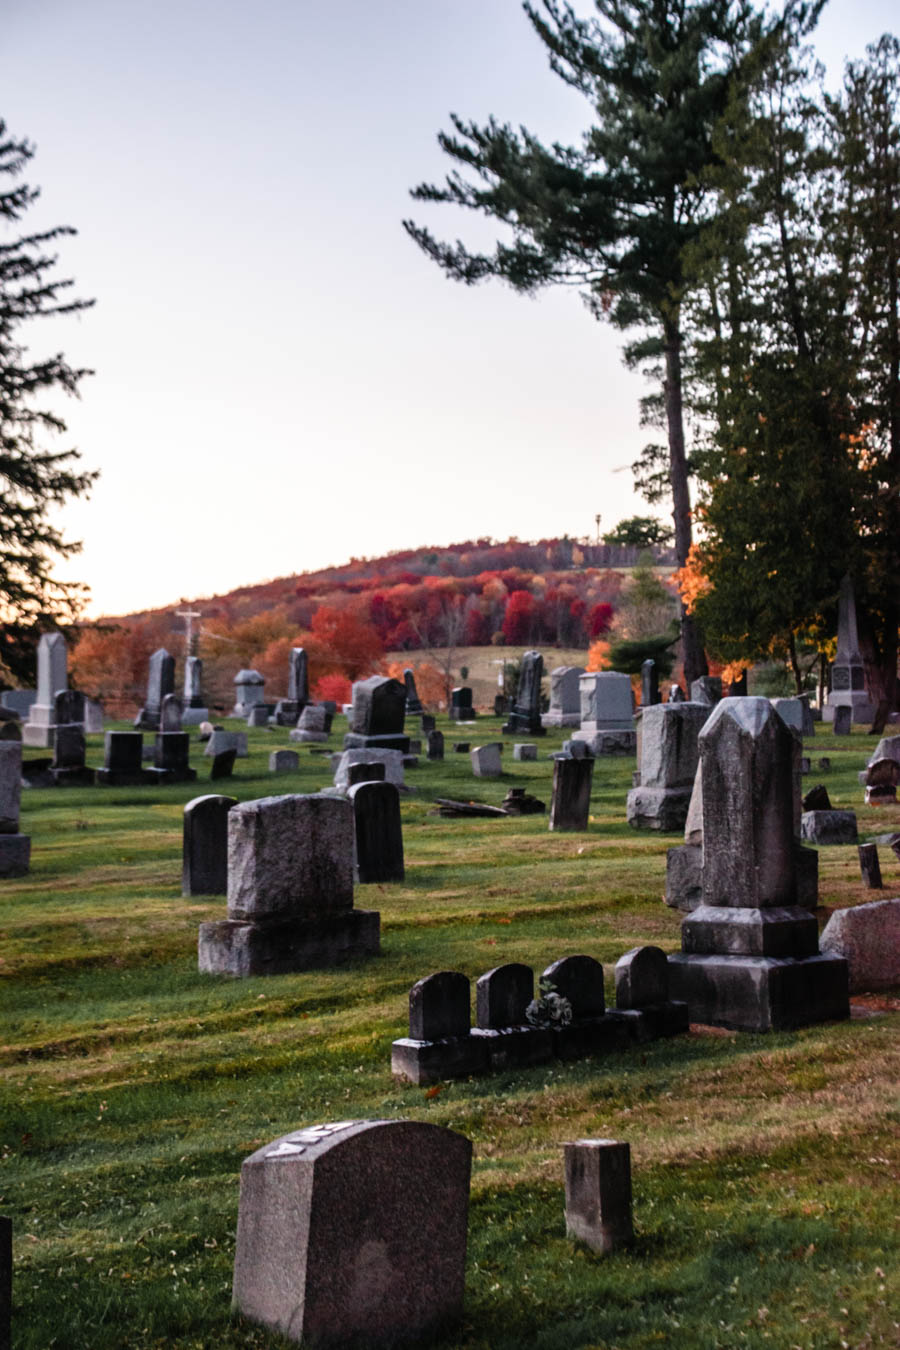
[607,713]
[284,761]
[377,715]
[69,768]
[598,1193]
[249,689]
[518,802]
[869,867]
[223,764]
[435,745]
[750,957]
[413,702]
[379,834]
[642,995]
[290,890]
[669,757]
[171,756]
[882,777]
[170,714]
[649,684]
[69,705]
[684,877]
[525,750]
[829,827]
[817,799]
[565,697]
[588,1031]
[15,848]
[287,710]
[487,760]
[193,684]
[122,759]
[311,726]
[427,723]
[258,715]
[10,731]
[227,740]
[525,713]
[796,713]
[570,804]
[707,689]
[391,759]
[205,845]
[738,688]
[439,1044]
[93,717]
[461,709]
[365,772]
[52,671]
[160,681]
[18,701]
[868,938]
[848,675]
[502,996]
[354,1233]
[843,720]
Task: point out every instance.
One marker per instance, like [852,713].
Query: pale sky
[283,379]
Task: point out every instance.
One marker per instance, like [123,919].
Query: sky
[282,379]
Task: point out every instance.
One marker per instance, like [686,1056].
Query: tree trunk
[691,640]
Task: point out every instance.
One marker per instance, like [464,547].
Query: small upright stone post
[870,867]
[598,1193]
[649,684]
[413,702]
[570,804]
[160,681]
[379,833]
[435,743]
[205,845]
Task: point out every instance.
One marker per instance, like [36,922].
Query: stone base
[192,717]
[280,947]
[354,740]
[561,719]
[720,930]
[156,775]
[620,742]
[308,737]
[761,993]
[523,726]
[652,1023]
[78,777]
[666,809]
[593,1036]
[424,1062]
[15,854]
[684,877]
[116,778]
[515,1047]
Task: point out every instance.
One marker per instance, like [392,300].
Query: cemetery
[257,1036]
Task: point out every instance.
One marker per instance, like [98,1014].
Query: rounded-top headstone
[642,978]
[580,980]
[502,995]
[439,1006]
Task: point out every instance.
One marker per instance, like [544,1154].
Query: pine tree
[33,479]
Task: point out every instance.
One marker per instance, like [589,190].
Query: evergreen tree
[615,215]
[33,479]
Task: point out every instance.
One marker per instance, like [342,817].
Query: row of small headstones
[567,1020]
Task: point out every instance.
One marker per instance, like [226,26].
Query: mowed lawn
[765,1168]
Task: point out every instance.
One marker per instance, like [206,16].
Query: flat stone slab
[234,947]
[868,937]
[761,993]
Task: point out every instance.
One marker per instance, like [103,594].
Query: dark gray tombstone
[413,702]
[435,745]
[502,995]
[439,1006]
[377,715]
[580,980]
[642,996]
[205,847]
[69,749]
[223,764]
[882,777]
[461,709]
[439,1044]
[426,722]
[843,720]
[570,804]
[354,1233]
[462,747]
[817,799]
[298,678]
[171,752]
[284,761]
[369,772]
[525,714]
[122,759]
[738,687]
[171,713]
[193,684]
[649,684]
[69,705]
[379,834]
[870,867]
[598,1193]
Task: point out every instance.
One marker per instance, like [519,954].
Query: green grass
[765,1167]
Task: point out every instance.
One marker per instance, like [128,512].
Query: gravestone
[439,1044]
[249,688]
[204,855]
[842,720]
[18,701]
[52,676]
[223,764]
[518,802]
[15,848]
[69,748]
[258,715]
[579,980]
[750,957]
[93,717]
[870,867]
[829,827]
[290,890]
[435,745]
[284,761]
[160,681]
[227,740]
[487,760]
[707,689]
[365,772]
[461,709]
[607,713]
[354,1233]
[10,730]
[391,759]
[649,684]
[867,937]
[413,702]
[525,713]
[69,708]
[570,803]
[502,996]
[287,710]
[642,995]
[379,834]
[195,710]
[669,757]
[524,751]
[426,723]
[565,697]
[796,713]
[122,759]
[311,728]
[848,675]
[598,1193]
[170,713]
[171,755]
[377,715]
[882,777]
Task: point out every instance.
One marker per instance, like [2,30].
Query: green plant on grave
[549,1009]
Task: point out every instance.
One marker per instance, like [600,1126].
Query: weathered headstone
[18,701]
[598,1193]
[461,709]
[502,996]
[570,803]
[427,723]
[435,745]
[882,777]
[195,710]
[487,761]
[354,1233]
[796,713]
[707,689]
[170,713]
[290,890]
[377,715]
[817,799]
[287,710]
[607,713]
[413,702]
[227,740]
[379,834]
[258,715]
[669,757]
[525,713]
[15,848]
[122,761]
[518,802]
[205,845]
[848,674]
[642,995]
[160,681]
[69,748]
[870,867]
[868,938]
[565,697]
[750,955]
[391,759]
[249,689]
[525,750]
[223,764]
[439,1044]
[52,671]
[284,761]
[311,725]
[579,981]
[829,827]
[69,707]
[649,684]
[171,758]
[843,720]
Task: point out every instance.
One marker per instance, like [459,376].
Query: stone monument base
[665,809]
[281,946]
[614,741]
[761,993]
[423,1062]
[307,737]
[553,718]
[15,854]
[120,778]
[355,740]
